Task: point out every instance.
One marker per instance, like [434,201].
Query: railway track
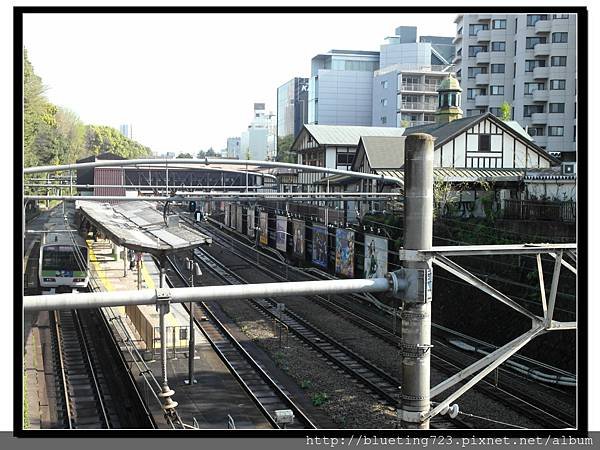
[264,391]
[85,393]
[514,393]
[375,380]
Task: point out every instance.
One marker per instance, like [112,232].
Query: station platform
[207,404]
[216,396]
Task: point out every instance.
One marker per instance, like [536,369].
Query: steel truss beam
[494,360]
[540,325]
[511,249]
[465,275]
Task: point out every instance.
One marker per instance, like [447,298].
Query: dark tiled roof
[444,131]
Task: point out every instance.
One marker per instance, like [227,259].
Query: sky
[187,82]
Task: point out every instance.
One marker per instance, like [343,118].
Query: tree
[38,114]
[201,154]
[210,153]
[184,156]
[284,153]
[505,109]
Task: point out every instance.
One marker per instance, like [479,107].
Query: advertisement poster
[281,233]
[250,225]
[344,252]
[299,233]
[376,253]
[226,221]
[239,222]
[264,228]
[319,247]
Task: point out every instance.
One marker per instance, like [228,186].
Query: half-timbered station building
[472,154]
[332,146]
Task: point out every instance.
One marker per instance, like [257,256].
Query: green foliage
[505,110]
[305,384]
[284,153]
[319,398]
[184,156]
[210,153]
[280,360]
[100,139]
[55,135]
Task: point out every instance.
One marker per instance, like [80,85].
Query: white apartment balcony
[540,95]
[418,87]
[483,36]
[418,122]
[457,38]
[482,58]
[539,118]
[543,26]
[540,73]
[457,59]
[482,78]
[482,100]
[541,50]
[418,106]
[542,141]
[484,17]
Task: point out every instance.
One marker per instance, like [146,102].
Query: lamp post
[194,269]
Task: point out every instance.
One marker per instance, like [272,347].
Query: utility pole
[416,307]
[194,269]
[162,304]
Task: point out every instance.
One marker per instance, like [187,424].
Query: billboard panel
[299,232]
[239,222]
[344,252]
[376,255]
[319,246]
[281,239]
[250,222]
[264,228]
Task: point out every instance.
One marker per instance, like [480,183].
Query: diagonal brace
[465,275]
[565,263]
[495,359]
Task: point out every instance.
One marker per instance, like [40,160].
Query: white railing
[418,105]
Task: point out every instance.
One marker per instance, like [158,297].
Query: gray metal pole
[416,310]
[163,308]
[192,340]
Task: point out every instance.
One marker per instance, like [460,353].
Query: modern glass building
[292,107]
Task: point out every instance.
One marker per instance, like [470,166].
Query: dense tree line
[55,135]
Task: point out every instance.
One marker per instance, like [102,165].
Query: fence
[536,210]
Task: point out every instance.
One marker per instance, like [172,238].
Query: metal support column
[416,309]
[162,304]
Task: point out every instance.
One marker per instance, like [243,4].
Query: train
[63,263]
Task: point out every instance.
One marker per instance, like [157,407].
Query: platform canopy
[140,226]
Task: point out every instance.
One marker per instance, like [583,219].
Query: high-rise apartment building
[340,87]
[404,88]
[527,60]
